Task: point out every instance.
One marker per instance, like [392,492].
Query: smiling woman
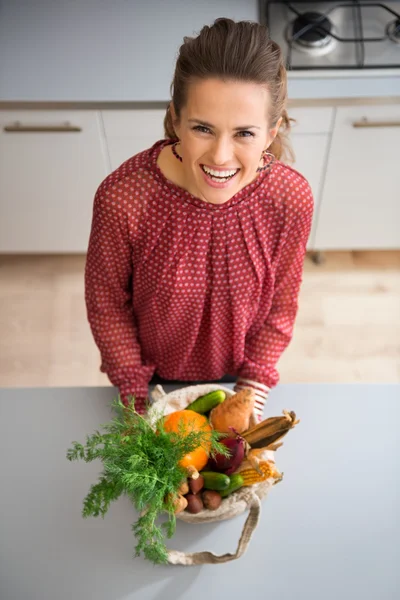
[220,156]
[196,250]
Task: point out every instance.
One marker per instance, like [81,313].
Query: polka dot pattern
[193,290]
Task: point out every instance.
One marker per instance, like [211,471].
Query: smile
[220,176]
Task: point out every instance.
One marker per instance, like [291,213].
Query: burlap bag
[248,498]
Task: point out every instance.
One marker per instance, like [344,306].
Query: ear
[274,131]
[175,122]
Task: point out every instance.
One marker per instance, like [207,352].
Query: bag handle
[203,558]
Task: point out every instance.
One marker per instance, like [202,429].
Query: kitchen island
[329,530]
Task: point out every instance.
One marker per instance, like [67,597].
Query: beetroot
[225,464]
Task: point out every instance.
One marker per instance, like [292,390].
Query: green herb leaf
[143,464]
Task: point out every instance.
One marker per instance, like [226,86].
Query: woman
[197,244]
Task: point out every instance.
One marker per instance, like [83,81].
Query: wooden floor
[347,330]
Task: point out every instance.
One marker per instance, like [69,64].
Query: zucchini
[237,482]
[215,481]
[205,403]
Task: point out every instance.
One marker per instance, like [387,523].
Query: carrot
[235,412]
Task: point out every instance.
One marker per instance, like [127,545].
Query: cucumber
[215,481]
[205,403]
[235,484]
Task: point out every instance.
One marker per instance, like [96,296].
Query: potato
[195,503]
[211,499]
[196,484]
[180,504]
[234,414]
[184,488]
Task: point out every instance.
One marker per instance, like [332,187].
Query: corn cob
[251,476]
[270,430]
[254,458]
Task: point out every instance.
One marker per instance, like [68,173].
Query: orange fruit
[190,421]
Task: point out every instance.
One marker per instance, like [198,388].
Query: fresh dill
[141,462]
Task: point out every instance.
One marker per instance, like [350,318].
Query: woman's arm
[264,347]
[108,295]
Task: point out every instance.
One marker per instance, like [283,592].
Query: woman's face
[223,130]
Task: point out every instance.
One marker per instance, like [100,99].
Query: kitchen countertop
[329,530]
[102,51]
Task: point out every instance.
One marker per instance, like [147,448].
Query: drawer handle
[17,127]
[365,123]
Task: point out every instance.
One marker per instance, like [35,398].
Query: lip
[216,184]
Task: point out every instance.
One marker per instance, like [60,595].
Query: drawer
[134,123]
[312,120]
[49,124]
[51,163]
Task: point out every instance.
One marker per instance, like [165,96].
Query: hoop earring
[266,165]
[174,151]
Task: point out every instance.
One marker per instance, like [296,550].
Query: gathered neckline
[185,196]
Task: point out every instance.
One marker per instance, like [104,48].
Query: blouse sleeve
[265,346]
[108,296]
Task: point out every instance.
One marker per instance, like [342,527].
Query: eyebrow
[205,124]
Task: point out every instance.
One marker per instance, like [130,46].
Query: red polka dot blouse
[192,290]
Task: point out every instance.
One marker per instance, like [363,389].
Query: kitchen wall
[99,50]
[103,50]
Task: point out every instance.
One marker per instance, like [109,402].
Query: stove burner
[316,28]
[310,33]
[340,34]
[393,31]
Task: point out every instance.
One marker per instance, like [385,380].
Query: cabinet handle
[17,127]
[365,123]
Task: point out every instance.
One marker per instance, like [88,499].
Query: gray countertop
[124,51]
[329,530]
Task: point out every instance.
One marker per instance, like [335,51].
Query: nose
[221,151]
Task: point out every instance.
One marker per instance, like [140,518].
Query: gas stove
[335,35]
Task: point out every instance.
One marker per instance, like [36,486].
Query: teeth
[219,174]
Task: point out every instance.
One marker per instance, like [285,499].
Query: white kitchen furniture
[361,195]
[310,137]
[131,131]
[51,162]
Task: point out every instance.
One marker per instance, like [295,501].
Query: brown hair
[239,51]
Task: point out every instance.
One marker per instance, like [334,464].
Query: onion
[228,464]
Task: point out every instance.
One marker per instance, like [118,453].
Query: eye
[245,133]
[201,128]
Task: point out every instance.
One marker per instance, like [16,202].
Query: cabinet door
[51,163]
[131,131]
[310,159]
[310,139]
[360,208]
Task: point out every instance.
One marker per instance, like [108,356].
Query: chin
[218,196]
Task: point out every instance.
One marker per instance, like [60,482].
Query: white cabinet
[51,163]
[310,139]
[361,197]
[131,131]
